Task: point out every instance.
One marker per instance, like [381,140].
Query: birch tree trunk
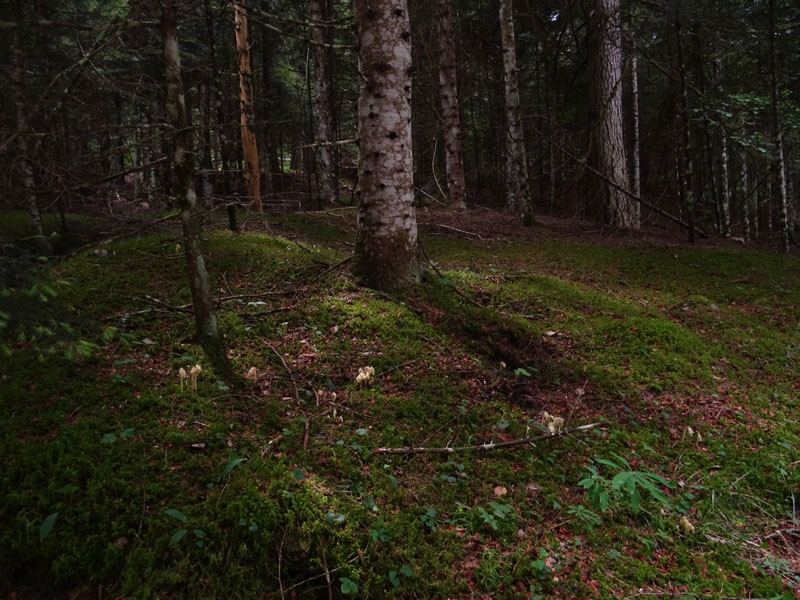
[249,145]
[23,160]
[326,172]
[183,166]
[386,250]
[517,186]
[608,143]
[451,114]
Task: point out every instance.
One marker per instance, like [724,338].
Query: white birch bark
[608,145]
[517,186]
[451,114]
[386,252]
[326,172]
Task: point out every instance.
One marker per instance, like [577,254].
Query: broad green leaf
[232,464]
[47,526]
[108,438]
[70,488]
[348,586]
[407,571]
[176,514]
[177,536]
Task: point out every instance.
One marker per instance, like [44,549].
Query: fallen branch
[485,447]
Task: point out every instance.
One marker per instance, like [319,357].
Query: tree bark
[517,186]
[608,144]
[636,175]
[725,188]
[386,250]
[451,114]
[685,153]
[778,166]
[326,171]
[249,145]
[183,165]
[23,160]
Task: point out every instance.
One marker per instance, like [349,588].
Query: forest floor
[120,480]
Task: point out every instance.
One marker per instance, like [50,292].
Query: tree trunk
[778,166]
[386,250]
[183,166]
[249,145]
[636,175]
[451,114]
[517,186]
[744,194]
[608,144]
[725,189]
[23,160]
[685,153]
[326,180]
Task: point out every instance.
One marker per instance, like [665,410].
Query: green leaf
[232,464]
[177,536]
[393,479]
[501,425]
[348,586]
[176,514]
[362,431]
[523,372]
[199,533]
[70,488]
[47,526]
[108,438]
[127,434]
[407,571]
[393,579]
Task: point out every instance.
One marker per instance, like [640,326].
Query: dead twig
[484,447]
[286,367]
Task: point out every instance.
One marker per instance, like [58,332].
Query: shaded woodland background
[84,124]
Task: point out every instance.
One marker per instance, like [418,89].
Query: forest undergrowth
[123,478]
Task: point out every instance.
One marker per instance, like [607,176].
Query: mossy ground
[650,341]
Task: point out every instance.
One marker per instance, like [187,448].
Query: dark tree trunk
[183,166]
[608,142]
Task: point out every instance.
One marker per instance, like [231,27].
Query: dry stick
[285,366]
[439,273]
[614,184]
[433,170]
[332,268]
[477,235]
[118,236]
[427,195]
[486,447]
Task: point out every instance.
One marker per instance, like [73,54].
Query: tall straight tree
[451,114]
[517,186]
[326,172]
[778,157]
[608,142]
[183,166]
[249,145]
[386,252]
[23,159]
